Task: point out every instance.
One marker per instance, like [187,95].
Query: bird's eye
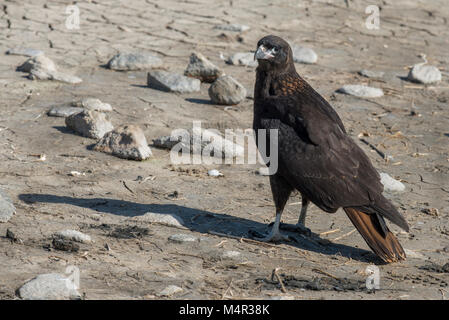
[274,50]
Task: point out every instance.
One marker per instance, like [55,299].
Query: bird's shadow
[199,221]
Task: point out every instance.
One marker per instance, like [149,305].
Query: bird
[316,156]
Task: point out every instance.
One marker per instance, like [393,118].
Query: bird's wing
[322,161]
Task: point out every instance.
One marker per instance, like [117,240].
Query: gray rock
[304,55]
[169,291]
[242,59]
[232,27]
[134,61]
[171,220]
[91,124]
[51,286]
[226,90]
[391,184]
[188,139]
[182,238]
[424,74]
[93,104]
[43,68]
[63,111]
[361,91]
[65,245]
[73,235]
[230,254]
[7,208]
[21,51]
[201,68]
[168,81]
[413,254]
[371,73]
[127,142]
[214,173]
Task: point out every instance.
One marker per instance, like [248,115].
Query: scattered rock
[230,254]
[65,245]
[390,184]
[361,91]
[51,286]
[7,208]
[201,68]
[43,68]
[168,81]
[371,73]
[242,59]
[63,111]
[91,124]
[214,173]
[189,139]
[73,235]
[127,142]
[182,238]
[171,220]
[424,74]
[21,51]
[226,90]
[169,291]
[304,55]
[232,27]
[93,104]
[134,61]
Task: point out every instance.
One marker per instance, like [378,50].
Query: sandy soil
[140,261]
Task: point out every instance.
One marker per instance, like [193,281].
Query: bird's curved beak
[263,53]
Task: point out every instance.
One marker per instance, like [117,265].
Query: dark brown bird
[315,155]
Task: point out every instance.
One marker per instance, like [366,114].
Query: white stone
[413,254]
[361,91]
[214,173]
[424,74]
[7,208]
[51,286]
[73,235]
[242,59]
[231,254]
[182,238]
[167,219]
[390,184]
[134,61]
[232,27]
[304,55]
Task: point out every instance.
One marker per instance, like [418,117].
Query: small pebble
[7,208]
[424,74]
[134,61]
[235,27]
[73,235]
[168,81]
[361,91]
[52,286]
[127,142]
[63,111]
[182,238]
[201,68]
[391,184]
[214,173]
[242,59]
[90,124]
[171,220]
[371,73]
[227,91]
[304,55]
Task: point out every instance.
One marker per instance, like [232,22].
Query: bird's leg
[275,234]
[302,215]
[300,226]
[281,190]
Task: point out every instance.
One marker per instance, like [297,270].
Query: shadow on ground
[200,221]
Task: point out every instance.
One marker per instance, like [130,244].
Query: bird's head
[273,53]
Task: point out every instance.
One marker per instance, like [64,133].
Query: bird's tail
[379,238]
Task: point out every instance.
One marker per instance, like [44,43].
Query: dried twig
[345,235]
